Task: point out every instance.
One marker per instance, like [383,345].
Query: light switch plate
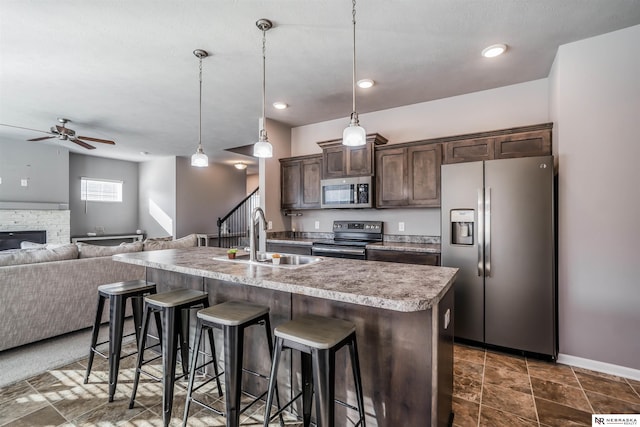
[270,225]
[24,182]
[317,225]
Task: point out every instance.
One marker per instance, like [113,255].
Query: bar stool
[117,294]
[169,305]
[317,338]
[233,317]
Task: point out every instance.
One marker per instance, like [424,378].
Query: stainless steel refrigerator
[498,229]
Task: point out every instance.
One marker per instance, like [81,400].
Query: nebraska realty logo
[615,420]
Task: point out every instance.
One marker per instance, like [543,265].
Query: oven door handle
[316,250]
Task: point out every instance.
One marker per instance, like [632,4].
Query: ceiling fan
[64,133]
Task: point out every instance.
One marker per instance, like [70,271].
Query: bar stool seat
[317,338]
[168,307]
[233,317]
[117,293]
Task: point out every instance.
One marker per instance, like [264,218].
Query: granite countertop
[386,285]
[433,248]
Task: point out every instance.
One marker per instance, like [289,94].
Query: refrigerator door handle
[480,233]
[487,232]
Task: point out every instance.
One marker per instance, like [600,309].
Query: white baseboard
[594,365]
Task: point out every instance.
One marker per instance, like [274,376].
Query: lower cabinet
[403,257]
[289,249]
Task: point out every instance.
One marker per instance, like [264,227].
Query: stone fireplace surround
[55,219]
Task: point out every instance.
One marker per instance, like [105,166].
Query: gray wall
[204,194]
[157,196]
[595,99]
[45,167]
[116,218]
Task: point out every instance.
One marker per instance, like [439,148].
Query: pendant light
[199,159]
[354,134]
[263,148]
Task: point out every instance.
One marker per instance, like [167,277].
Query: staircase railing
[233,228]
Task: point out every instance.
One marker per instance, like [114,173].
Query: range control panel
[358,226]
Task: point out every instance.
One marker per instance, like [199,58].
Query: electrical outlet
[317,225]
[24,182]
[0,180]
[447,318]
[269,225]
[401,226]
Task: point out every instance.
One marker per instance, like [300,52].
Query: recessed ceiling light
[494,50]
[365,83]
[240,165]
[280,105]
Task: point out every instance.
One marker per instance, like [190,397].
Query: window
[100,190]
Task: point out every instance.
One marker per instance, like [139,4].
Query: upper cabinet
[300,182]
[340,161]
[502,144]
[408,175]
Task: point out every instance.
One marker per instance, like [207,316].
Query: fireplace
[12,239]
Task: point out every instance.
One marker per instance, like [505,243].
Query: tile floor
[490,389]
[496,389]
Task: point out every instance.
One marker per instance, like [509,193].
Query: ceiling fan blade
[82,144]
[41,139]
[104,141]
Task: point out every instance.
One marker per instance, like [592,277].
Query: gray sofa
[47,292]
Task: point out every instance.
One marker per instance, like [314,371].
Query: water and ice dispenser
[462,223]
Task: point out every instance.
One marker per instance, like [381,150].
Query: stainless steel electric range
[349,239]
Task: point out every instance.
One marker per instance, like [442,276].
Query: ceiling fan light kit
[354,134]
[199,159]
[263,147]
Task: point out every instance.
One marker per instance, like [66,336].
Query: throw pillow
[184,242]
[32,256]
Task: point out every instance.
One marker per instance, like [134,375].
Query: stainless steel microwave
[354,192]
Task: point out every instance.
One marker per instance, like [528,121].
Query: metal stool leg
[116,326]
[94,335]
[307,388]
[140,358]
[214,354]
[323,363]
[233,355]
[192,370]
[169,353]
[272,380]
[357,379]
[267,328]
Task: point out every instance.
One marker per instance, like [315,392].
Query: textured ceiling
[124,70]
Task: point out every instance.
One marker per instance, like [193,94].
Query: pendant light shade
[199,159]
[354,134]
[263,147]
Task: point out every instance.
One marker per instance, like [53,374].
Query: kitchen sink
[266,259]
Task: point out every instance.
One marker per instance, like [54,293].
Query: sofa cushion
[92,251]
[32,256]
[25,244]
[185,242]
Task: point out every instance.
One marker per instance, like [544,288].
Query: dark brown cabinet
[403,257]
[300,182]
[524,141]
[340,161]
[408,175]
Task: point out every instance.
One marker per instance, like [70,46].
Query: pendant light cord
[353,13]
[200,126]
[263,131]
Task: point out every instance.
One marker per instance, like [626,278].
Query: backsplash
[395,238]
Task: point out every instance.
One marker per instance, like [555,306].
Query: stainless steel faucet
[256,215]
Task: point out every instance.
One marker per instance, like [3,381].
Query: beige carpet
[20,363]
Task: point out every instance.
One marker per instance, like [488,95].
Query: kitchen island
[403,315]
